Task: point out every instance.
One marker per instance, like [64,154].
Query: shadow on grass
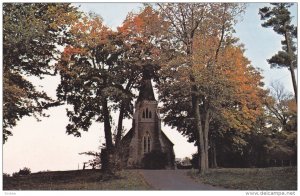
[276,178]
[76,180]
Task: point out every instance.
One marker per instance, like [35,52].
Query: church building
[146,135]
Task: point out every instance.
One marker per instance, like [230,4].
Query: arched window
[150,114]
[143,114]
[146,112]
[147,143]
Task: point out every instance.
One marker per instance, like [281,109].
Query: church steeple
[146,135]
[146,89]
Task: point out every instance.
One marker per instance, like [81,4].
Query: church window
[146,112]
[147,143]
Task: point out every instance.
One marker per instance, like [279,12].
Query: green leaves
[280,60]
[209,90]
[31,34]
[100,68]
[91,70]
[279,17]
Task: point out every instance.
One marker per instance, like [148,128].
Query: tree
[29,49]
[233,91]
[279,17]
[282,122]
[281,108]
[271,139]
[95,162]
[90,80]
[210,25]
[88,69]
[100,70]
[140,34]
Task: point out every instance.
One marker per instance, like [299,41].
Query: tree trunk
[213,153]
[199,133]
[120,124]
[196,105]
[108,155]
[294,81]
[121,116]
[107,127]
[291,68]
[206,144]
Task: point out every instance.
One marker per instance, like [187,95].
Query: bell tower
[146,135]
[146,123]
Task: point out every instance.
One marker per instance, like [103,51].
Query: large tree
[88,69]
[205,28]
[233,99]
[101,68]
[32,33]
[279,18]
[140,34]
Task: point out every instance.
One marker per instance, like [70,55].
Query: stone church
[146,135]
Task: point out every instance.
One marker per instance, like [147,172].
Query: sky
[45,146]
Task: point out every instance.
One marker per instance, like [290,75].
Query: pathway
[173,180]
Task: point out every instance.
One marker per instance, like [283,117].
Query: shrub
[15,174]
[195,161]
[180,166]
[5,175]
[155,160]
[22,172]
[110,162]
[25,171]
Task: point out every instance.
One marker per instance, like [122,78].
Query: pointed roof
[146,89]
[166,137]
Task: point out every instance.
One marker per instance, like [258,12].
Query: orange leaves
[142,33]
[88,35]
[134,24]
[245,82]
[138,24]
[90,31]
[70,50]
[231,84]
[145,24]
[66,65]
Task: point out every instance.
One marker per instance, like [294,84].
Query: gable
[127,137]
[165,137]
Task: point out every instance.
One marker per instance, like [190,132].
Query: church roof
[127,137]
[164,135]
[146,89]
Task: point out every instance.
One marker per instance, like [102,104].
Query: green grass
[77,180]
[276,178]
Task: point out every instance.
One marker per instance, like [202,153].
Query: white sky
[45,145]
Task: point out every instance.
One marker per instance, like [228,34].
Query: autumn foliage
[209,90]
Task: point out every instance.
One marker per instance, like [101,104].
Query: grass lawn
[77,180]
[276,178]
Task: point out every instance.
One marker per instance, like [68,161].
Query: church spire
[146,89]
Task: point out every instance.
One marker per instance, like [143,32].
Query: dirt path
[173,180]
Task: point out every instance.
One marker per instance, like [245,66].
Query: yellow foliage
[229,76]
